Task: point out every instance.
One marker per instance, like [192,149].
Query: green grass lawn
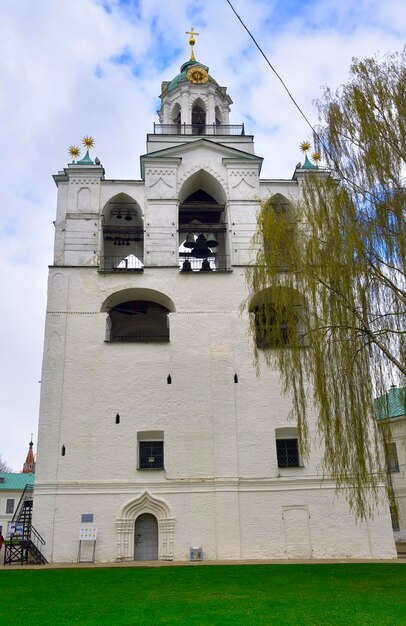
[319,594]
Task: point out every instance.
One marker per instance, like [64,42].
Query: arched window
[123,235]
[198,119]
[202,225]
[138,321]
[176,117]
[278,317]
[277,247]
[218,116]
[271,332]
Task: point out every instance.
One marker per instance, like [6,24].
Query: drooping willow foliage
[327,284]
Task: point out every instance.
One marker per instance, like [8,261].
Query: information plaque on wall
[87,533]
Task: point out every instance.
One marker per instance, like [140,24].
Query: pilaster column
[211,116]
[166,528]
[166,113]
[125,539]
[185,110]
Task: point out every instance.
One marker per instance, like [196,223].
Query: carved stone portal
[125,524]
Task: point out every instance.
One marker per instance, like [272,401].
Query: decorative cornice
[243,173]
[73,313]
[157,171]
[84,181]
[179,486]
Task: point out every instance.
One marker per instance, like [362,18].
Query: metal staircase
[25,545]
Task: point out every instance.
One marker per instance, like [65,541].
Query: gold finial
[74,152]
[88,142]
[316,157]
[192,42]
[305,146]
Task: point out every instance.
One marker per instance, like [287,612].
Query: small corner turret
[308,165]
[78,212]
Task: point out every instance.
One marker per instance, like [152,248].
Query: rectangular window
[392,457]
[287,452]
[151,454]
[9,506]
[394,518]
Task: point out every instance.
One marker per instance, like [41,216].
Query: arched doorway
[141,510]
[146,538]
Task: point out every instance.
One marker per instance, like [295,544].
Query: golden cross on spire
[192,42]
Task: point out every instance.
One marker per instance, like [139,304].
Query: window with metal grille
[10,506]
[287,451]
[151,455]
[138,321]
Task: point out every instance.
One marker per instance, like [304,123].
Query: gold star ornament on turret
[305,146]
[74,152]
[316,156]
[88,142]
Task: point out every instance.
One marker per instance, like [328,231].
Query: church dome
[182,76]
[193,100]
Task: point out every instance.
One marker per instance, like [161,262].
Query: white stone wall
[397,429]
[221,480]
[249,521]
[221,487]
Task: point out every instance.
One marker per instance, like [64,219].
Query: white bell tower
[154,428]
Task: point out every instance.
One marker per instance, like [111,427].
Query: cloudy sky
[95,67]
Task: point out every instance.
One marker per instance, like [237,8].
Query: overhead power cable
[274,70]
[316,135]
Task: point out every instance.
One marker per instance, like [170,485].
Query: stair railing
[24,496]
[36,538]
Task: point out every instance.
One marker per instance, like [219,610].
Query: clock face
[197,75]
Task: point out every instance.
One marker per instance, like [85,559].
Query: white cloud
[58,82]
